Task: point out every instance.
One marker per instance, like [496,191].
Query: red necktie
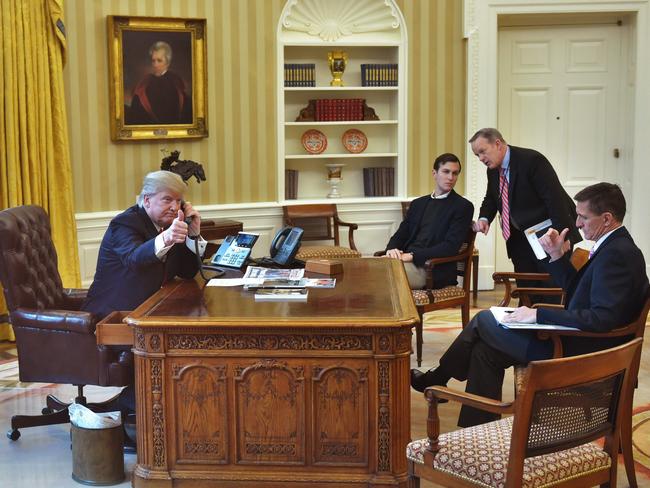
[505,206]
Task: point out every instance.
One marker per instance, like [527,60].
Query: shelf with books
[370,42]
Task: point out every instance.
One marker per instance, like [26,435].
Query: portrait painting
[157,77]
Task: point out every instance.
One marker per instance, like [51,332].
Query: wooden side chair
[321,222]
[634,330]
[579,258]
[405,206]
[429,300]
[545,443]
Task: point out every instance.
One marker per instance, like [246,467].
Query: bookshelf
[371,33]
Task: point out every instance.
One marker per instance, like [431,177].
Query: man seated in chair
[608,292]
[435,226]
[145,246]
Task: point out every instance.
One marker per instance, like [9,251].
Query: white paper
[500,312]
[235,281]
[274,274]
[82,416]
[533,240]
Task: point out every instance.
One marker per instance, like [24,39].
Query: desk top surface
[369,292]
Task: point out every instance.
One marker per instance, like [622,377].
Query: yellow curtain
[34,153]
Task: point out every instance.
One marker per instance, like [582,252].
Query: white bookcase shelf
[375,33]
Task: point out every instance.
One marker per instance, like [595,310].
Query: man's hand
[481,226]
[394,253]
[555,244]
[191,213]
[407,257]
[523,315]
[177,232]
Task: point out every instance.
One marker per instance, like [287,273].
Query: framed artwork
[157,70]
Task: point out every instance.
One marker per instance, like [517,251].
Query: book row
[339,109]
[379,182]
[379,75]
[303,74]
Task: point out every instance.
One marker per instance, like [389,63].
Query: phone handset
[285,245]
[218,271]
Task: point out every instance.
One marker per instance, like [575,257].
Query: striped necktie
[505,205]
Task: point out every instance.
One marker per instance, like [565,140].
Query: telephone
[235,250]
[285,245]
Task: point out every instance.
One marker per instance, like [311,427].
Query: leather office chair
[56,342]
[320,222]
[545,443]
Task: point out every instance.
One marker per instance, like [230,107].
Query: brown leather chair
[56,342]
[547,442]
[320,222]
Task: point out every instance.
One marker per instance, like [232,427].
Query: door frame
[481,31]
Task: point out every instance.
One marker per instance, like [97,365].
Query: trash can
[97,455]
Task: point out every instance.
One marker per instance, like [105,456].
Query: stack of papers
[500,312]
[301,283]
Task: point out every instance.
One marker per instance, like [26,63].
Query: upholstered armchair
[56,342]
[550,439]
[320,222]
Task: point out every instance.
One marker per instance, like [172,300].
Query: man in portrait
[160,96]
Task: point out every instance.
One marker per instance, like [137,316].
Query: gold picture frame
[157,70]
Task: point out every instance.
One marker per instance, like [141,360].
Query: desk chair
[320,222]
[544,443]
[429,299]
[405,207]
[56,342]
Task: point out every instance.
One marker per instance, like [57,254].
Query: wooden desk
[236,393]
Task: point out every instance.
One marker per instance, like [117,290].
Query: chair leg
[24,421]
[418,337]
[626,449]
[475,277]
[464,311]
[413,481]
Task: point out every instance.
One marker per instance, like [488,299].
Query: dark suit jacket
[128,271]
[451,228]
[535,194]
[606,293]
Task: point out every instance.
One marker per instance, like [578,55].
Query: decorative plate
[354,140]
[314,141]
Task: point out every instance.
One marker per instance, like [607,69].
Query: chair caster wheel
[47,410]
[14,435]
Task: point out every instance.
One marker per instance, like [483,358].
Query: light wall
[239,156]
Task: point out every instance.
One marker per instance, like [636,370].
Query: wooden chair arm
[352,228]
[432,393]
[524,294]
[430,263]
[508,280]
[379,253]
[556,336]
[476,401]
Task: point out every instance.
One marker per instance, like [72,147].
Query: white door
[560,92]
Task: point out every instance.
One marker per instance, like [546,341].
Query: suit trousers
[481,353]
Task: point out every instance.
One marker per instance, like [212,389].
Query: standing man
[524,188]
[435,226]
[145,246]
[608,292]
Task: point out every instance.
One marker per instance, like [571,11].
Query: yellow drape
[34,154]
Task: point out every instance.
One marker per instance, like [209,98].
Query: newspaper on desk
[534,233]
[256,275]
[500,312]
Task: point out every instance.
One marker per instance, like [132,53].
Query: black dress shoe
[420,380]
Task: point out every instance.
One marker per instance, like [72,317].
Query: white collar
[602,239]
[439,197]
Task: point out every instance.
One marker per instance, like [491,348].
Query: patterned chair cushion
[424,297]
[480,454]
[326,252]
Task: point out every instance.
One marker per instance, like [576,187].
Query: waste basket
[97,455]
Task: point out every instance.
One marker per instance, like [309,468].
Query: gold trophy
[337,61]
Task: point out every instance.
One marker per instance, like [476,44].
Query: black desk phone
[285,245]
[235,250]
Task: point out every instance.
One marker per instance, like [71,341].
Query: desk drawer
[112,331]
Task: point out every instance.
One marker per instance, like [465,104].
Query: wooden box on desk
[324,266]
[113,331]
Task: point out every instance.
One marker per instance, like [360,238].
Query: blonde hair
[158,181]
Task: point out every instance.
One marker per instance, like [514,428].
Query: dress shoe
[420,380]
